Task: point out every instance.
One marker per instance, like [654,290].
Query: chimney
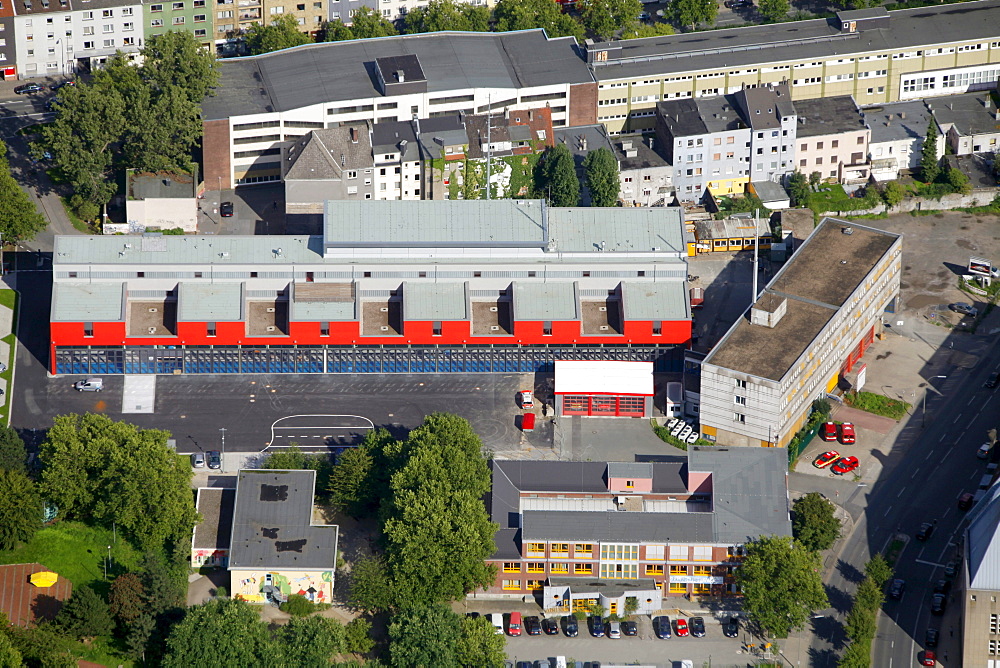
[354,135]
[951,106]
[902,115]
[987,102]
[996,116]
[400,76]
[651,143]
[583,143]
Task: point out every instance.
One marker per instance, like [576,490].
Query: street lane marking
[957,418]
[939,440]
[915,472]
[929,563]
[900,492]
[887,511]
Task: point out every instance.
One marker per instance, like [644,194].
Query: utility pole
[222,459]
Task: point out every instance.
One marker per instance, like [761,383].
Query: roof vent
[400,76]
[843,262]
[847,230]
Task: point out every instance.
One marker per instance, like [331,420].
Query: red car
[828,432]
[845,465]
[847,433]
[680,627]
[930,658]
[826,459]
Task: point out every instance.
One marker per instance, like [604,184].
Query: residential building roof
[828,116]
[582,139]
[88,302]
[633,152]
[969,114]
[215,505]
[898,121]
[764,106]
[320,73]
[613,526]
[603,377]
[609,588]
[325,154]
[435,301]
[209,302]
[769,192]
[272,523]
[982,542]
[701,116]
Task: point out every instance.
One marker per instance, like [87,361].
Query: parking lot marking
[887,511]
[274,425]
[929,563]
[901,492]
[915,472]
[957,418]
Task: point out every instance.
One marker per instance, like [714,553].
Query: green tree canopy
[781,584]
[528,14]
[177,59]
[690,13]
[9,656]
[13,455]
[604,18]
[20,508]
[798,188]
[85,614]
[774,10]
[448,15]
[813,522]
[371,589]
[559,179]
[19,221]
[480,644]
[168,142]
[223,632]
[642,30]
[310,642]
[425,637]
[958,181]
[335,31]
[367,23]
[126,599]
[103,471]
[929,168]
[349,486]
[358,636]
[893,193]
[282,33]
[602,177]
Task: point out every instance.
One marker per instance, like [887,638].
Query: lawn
[878,404]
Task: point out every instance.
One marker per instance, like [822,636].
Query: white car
[496,619]
[525,399]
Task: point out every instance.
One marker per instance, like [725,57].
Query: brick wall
[583,104]
[216,154]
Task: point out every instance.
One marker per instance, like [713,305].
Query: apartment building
[832,139]
[978,584]
[265,102]
[970,122]
[646,176]
[192,16]
[897,137]
[582,534]
[390,10]
[873,55]
[8,54]
[390,286]
[825,306]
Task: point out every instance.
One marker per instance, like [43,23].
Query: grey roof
[635,229]
[749,491]
[320,73]
[186,250]
[662,300]
[644,158]
[215,505]
[88,302]
[408,64]
[272,523]
[982,543]
[388,137]
[827,116]
[595,136]
[174,186]
[546,301]
[209,302]
[765,106]
[630,470]
[606,587]
[769,191]
[435,301]
[814,283]
[969,113]
[701,116]
[617,526]
[897,121]
[325,154]
[797,40]
[322,302]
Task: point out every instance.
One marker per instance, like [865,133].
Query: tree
[349,483]
[177,59]
[893,193]
[781,584]
[20,509]
[9,656]
[358,636]
[813,522]
[310,642]
[13,455]
[425,637]
[774,10]
[371,589]
[85,614]
[223,632]
[298,606]
[798,188]
[929,168]
[879,570]
[996,166]
[367,23]
[283,33]
[103,471]
[958,181]
[692,12]
[604,18]
[168,142]
[559,179]
[480,645]
[528,14]
[603,181]
[19,221]
[641,30]
[437,531]
[335,31]
[127,599]
[448,15]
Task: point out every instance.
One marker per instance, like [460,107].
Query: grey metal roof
[322,311]
[827,116]
[435,301]
[88,302]
[209,302]
[768,191]
[606,587]
[749,491]
[321,73]
[969,113]
[617,526]
[635,229]
[982,541]
[187,249]
[215,505]
[797,40]
[662,300]
[546,301]
[272,523]
[630,470]
[897,121]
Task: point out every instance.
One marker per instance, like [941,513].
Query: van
[514,624]
[496,619]
[560,662]
[89,385]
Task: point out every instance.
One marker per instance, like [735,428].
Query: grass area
[893,551]
[73,218]
[8,298]
[878,404]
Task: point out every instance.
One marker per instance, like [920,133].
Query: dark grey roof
[324,154]
[582,139]
[630,470]
[328,72]
[765,106]
[617,526]
[701,116]
[32,7]
[828,115]
[388,136]
[769,191]
[898,121]
[859,14]
[796,40]
[272,524]
[644,158]
[408,64]
[607,587]
[215,505]
[971,114]
[168,186]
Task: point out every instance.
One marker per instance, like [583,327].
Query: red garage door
[604,405]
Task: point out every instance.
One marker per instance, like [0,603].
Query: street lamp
[106,562]
[923,410]
[222,459]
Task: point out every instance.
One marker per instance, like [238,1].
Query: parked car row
[693,626]
[844,432]
[514,625]
[838,465]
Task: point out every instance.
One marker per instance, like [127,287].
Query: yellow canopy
[44,579]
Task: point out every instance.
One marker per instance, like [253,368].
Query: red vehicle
[528,422]
[930,658]
[845,465]
[847,433]
[680,627]
[826,459]
[828,432]
[514,624]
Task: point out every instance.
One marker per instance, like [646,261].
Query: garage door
[603,405]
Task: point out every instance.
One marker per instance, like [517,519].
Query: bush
[665,436]
[88,211]
[298,606]
[878,404]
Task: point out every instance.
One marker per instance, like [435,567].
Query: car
[931,637]
[3,367]
[214,459]
[951,569]
[966,500]
[964,309]
[57,86]
[496,619]
[828,431]
[472,615]
[596,623]
[992,381]
[731,627]
[984,451]
[226,209]
[938,604]
[942,586]
[738,4]
[25,89]
[532,626]
[614,630]
[630,628]
[925,531]
[697,625]
[525,664]
[826,459]
[844,465]
[198,460]
[680,627]
[51,103]
[570,626]
[929,659]
[514,624]
[550,626]
[847,436]
[661,626]
[525,399]
[643,16]
[896,589]
[89,385]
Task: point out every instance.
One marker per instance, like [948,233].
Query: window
[678,570]
[547,328]
[155,23]
[742,384]
[178,20]
[324,329]
[702,570]
[535,585]
[90,45]
[583,569]
[152,8]
[511,567]
[88,329]
[128,27]
[536,567]
[352,175]
[583,550]
[210,328]
[436,325]
[740,401]
[108,13]
[560,549]
[278,10]
[199,18]
[532,547]
[995,624]
[654,552]
[678,552]
[512,584]
[107,28]
[559,569]
[835,143]
[739,417]
[702,553]
[654,569]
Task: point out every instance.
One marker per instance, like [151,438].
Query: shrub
[298,606]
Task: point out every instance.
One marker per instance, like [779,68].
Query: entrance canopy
[597,377]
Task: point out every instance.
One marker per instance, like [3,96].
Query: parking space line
[929,455]
[971,399]
[887,511]
[915,472]
[901,492]
[957,418]
[940,439]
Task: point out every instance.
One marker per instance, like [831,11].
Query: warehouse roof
[88,302]
[660,300]
[614,526]
[604,377]
[435,301]
[546,301]
[209,302]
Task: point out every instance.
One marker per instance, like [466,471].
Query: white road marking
[887,511]
[901,492]
[929,454]
[939,440]
[915,472]
[957,418]
[275,427]
[929,563]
